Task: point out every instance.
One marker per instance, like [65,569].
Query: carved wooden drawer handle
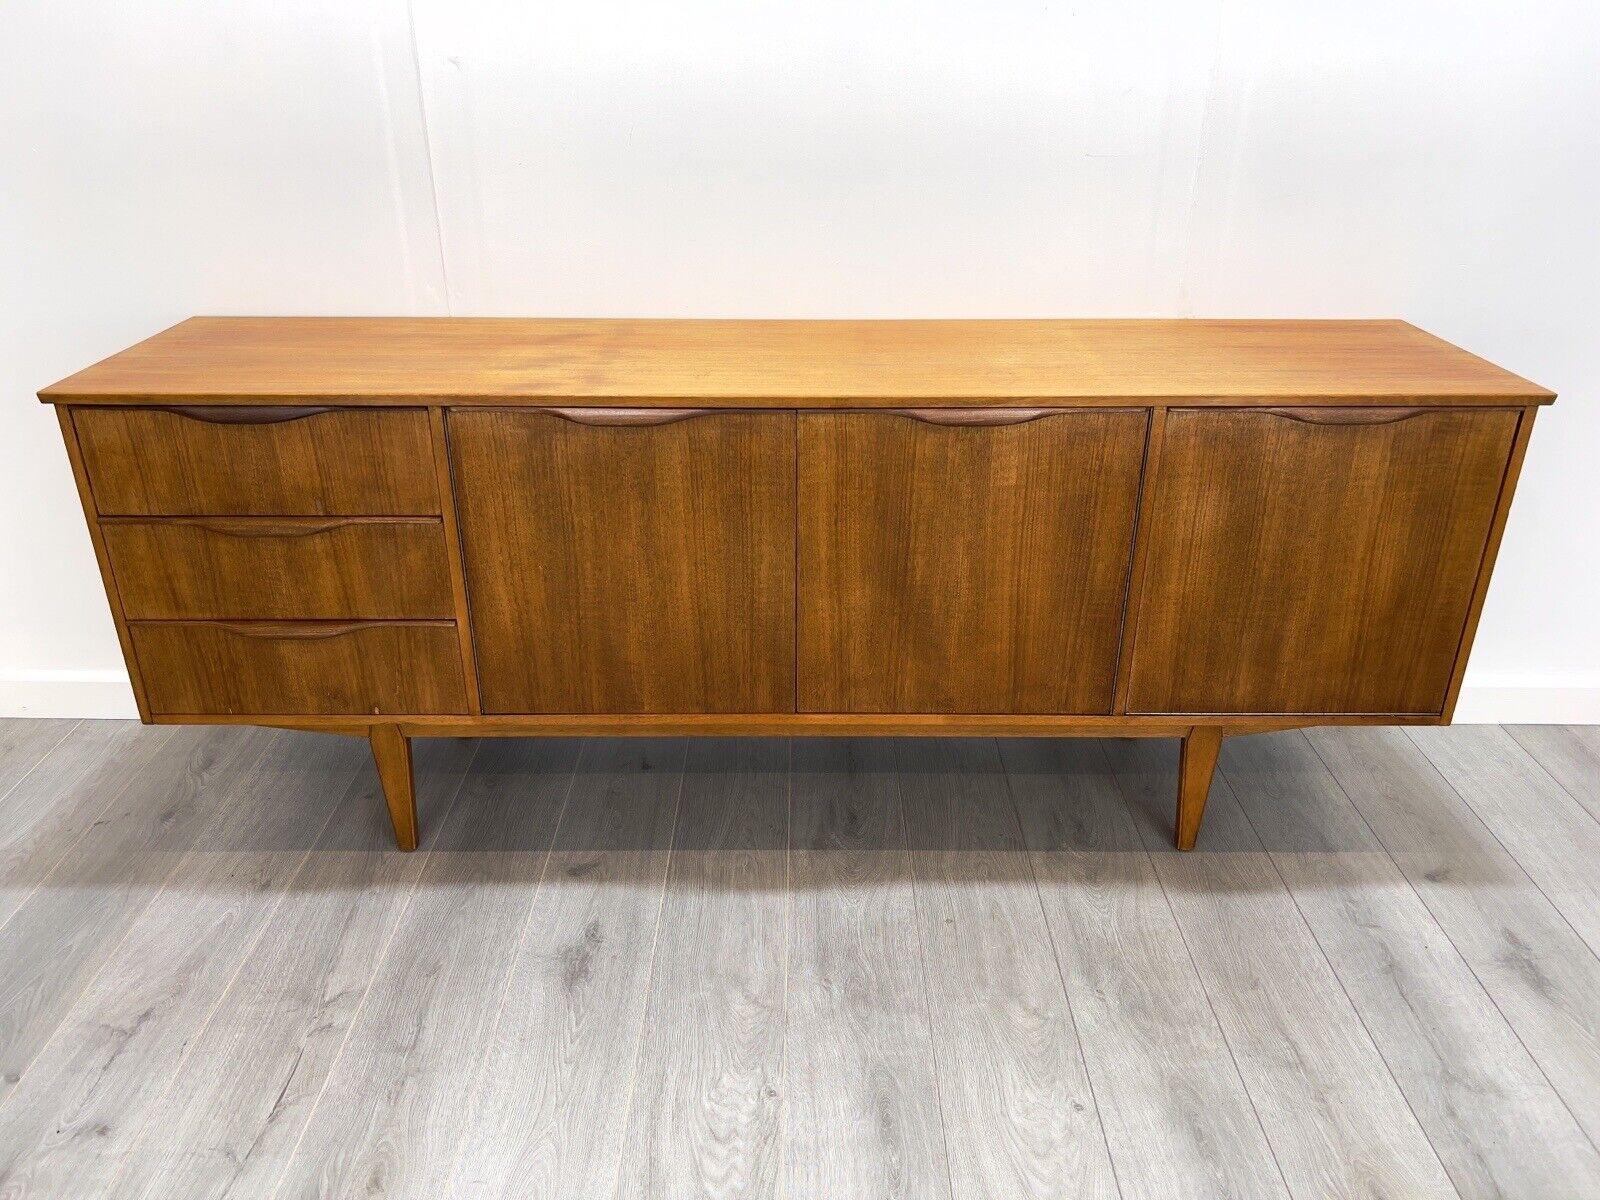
[244,414]
[627,416]
[260,527]
[1347,416]
[304,631]
[973,416]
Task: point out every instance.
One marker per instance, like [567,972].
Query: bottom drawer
[345,668]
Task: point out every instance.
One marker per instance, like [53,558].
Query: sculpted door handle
[244,414]
[973,416]
[627,416]
[1347,416]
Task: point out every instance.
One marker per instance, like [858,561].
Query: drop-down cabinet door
[628,560]
[1314,560]
[965,560]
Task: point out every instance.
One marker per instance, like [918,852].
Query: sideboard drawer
[278,568]
[268,461]
[370,668]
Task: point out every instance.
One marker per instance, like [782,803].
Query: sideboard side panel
[80,476]
[1315,561]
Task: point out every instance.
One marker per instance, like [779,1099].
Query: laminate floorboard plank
[49,809]
[225,1132]
[393,1106]
[548,1115]
[1020,1117]
[24,741]
[705,1115]
[863,1096]
[79,1108]
[1570,753]
[1530,961]
[61,935]
[1552,837]
[1177,1116]
[1333,1114]
[1499,1127]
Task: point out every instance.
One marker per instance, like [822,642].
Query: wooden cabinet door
[965,561]
[1314,560]
[628,561]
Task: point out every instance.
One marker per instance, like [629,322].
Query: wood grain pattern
[1178,1120]
[1532,963]
[391,754]
[1499,1127]
[440,436]
[964,569]
[343,462]
[81,1105]
[394,1107]
[354,359]
[1337,1122]
[46,811]
[705,1118]
[80,476]
[549,1114]
[237,1103]
[1571,756]
[98,886]
[346,668]
[273,568]
[1021,1115]
[654,565]
[1314,568]
[864,1115]
[1197,762]
[1553,836]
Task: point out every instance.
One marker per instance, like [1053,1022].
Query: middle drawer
[271,568]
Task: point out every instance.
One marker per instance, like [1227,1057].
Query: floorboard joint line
[1055,957]
[650,977]
[1222,1032]
[1506,850]
[516,943]
[922,961]
[782,1155]
[138,1137]
[115,945]
[34,766]
[1471,970]
[1546,771]
[377,965]
[116,793]
[1361,1019]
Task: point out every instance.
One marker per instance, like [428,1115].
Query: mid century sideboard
[397,527]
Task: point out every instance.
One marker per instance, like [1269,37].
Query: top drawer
[270,461]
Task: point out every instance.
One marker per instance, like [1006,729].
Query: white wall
[1432,160]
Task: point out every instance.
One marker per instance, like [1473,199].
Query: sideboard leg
[391,750]
[1197,762]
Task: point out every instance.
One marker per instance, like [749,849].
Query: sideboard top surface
[390,360]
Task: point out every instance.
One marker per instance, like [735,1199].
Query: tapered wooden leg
[391,750]
[1197,762]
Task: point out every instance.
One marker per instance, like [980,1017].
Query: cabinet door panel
[1315,560]
[629,563]
[963,563]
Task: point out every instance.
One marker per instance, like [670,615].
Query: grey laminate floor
[831,969]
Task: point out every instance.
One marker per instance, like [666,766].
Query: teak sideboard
[396,527]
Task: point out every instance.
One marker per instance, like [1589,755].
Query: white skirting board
[105,694]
